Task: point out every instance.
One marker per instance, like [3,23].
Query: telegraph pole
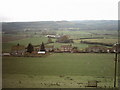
[115,73]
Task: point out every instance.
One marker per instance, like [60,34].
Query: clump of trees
[30,48]
[50,40]
[42,47]
[64,39]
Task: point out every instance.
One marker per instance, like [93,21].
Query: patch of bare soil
[11,38]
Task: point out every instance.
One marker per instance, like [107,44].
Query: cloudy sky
[47,10]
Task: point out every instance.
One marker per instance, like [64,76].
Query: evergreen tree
[18,44]
[42,48]
[30,48]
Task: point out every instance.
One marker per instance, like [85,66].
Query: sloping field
[58,70]
[33,40]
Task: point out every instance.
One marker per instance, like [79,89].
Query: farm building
[57,50]
[42,49]
[66,48]
[53,36]
[74,50]
[18,50]
[36,48]
[96,49]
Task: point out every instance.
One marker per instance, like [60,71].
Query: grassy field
[58,70]
[111,37]
[37,41]
[87,33]
[34,40]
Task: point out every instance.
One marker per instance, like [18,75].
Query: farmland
[59,67]
[76,35]
[108,41]
[34,40]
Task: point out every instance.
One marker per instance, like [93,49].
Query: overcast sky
[48,10]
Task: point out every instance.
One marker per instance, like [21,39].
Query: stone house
[115,48]
[49,48]
[96,49]
[66,48]
[18,50]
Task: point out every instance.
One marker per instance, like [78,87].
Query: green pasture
[33,40]
[75,34]
[62,63]
[90,33]
[65,63]
[37,41]
[68,69]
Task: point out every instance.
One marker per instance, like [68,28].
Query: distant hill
[58,25]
